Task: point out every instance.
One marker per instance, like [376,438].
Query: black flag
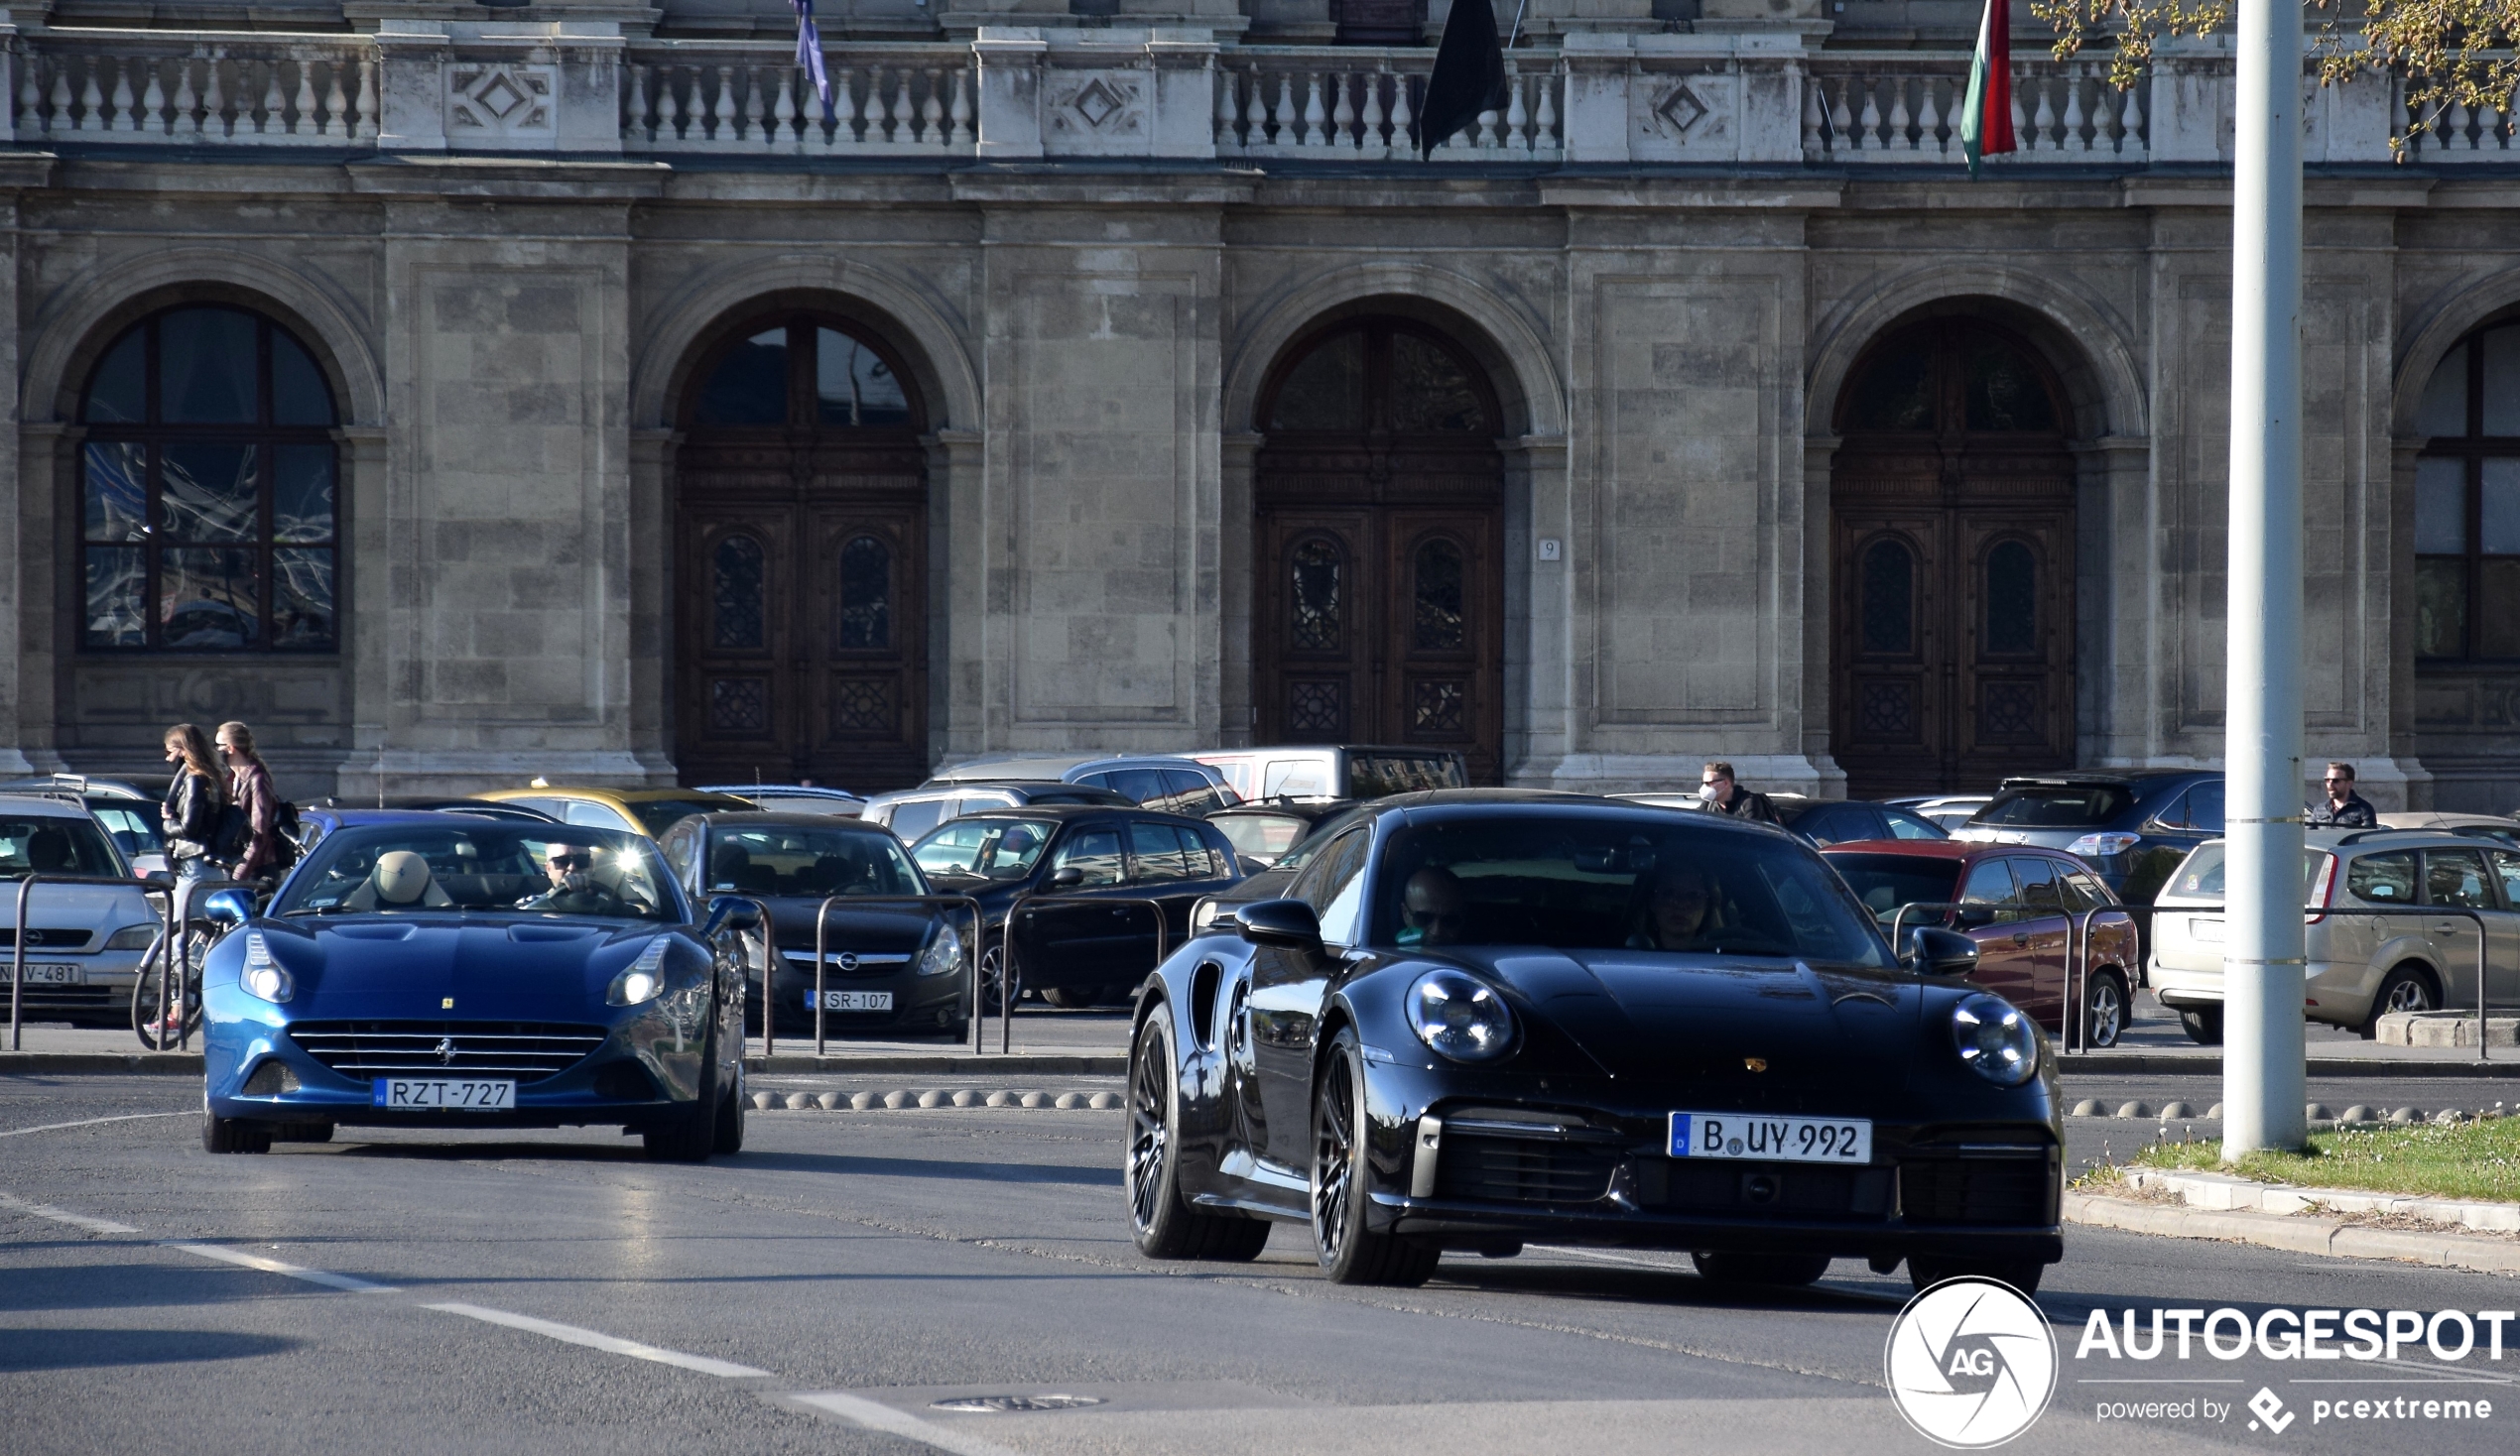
[1469,75]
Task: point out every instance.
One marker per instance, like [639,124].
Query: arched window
[209,489]
[866,595]
[1381,374]
[2012,600]
[1314,608]
[1889,599]
[2467,502]
[1439,596]
[1949,376]
[738,621]
[805,373]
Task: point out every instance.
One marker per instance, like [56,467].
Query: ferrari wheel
[1162,1224]
[1784,1270]
[2022,1275]
[1350,1251]
[302,1133]
[234,1134]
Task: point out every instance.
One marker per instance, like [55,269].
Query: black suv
[2133,828]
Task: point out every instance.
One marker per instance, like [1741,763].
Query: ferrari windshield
[1601,884]
[484,865]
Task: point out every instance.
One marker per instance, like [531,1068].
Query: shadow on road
[86,1349]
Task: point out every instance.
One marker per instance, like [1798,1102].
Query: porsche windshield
[481,866]
[1583,883]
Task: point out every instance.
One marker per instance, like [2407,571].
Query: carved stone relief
[489,102]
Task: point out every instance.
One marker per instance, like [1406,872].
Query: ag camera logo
[1970,1363]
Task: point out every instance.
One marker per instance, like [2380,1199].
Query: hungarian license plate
[2206,929]
[54,976]
[1748,1136]
[443,1094]
[852,1001]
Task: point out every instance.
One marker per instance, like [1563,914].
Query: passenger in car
[1678,910]
[1432,905]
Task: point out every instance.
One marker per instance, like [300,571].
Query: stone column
[653,559]
[1237,700]
[1010,85]
[959,594]
[2115,683]
[2401,640]
[1820,588]
[1540,647]
[377,564]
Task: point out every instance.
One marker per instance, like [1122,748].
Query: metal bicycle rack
[2416,913]
[1006,974]
[178,912]
[18,937]
[2077,955]
[822,958]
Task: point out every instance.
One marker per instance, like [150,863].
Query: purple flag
[810,52]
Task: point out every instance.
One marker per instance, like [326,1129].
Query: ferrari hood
[1754,1028]
[430,966]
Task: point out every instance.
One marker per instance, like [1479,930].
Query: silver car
[83,951]
[2361,967]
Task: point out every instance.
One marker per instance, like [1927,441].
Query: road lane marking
[331,1280]
[593,1339]
[64,1216]
[128,1117]
[876,1416]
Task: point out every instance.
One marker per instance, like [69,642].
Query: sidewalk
[2336,1222]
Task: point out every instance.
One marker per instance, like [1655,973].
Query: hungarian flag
[1986,120]
[810,52]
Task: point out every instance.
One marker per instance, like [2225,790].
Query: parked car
[2132,828]
[2360,967]
[126,811]
[1325,771]
[1950,811]
[1216,911]
[794,798]
[1266,832]
[84,942]
[441,970]
[2497,827]
[893,968]
[444,804]
[1081,949]
[2015,904]
[1171,784]
[644,811]
[911,812]
[1487,1018]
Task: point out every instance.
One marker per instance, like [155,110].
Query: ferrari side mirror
[228,909]
[1289,924]
[1932,951]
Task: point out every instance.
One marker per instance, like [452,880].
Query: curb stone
[2223,1192]
[931,1099]
[2297,1233]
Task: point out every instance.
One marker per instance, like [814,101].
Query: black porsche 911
[1485,1016]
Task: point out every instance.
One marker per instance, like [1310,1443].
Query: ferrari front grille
[1523,1169]
[528,1051]
[2004,1189]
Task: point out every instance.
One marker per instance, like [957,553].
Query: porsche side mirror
[1937,952]
[732,913]
[1289,924]
[1066,877]
[228,908]
[1974,916]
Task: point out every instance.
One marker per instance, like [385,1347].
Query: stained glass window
[1381,374]
[867,594]
[1327,391]
[1889,599]
[739,620]
[1314,602]
[2012,599]
[209,506]
[2467,502]
[1439,597]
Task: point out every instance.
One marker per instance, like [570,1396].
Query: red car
[2017,902]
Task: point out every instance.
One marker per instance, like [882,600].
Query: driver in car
[1431,904]
[574,891]
[1679,912]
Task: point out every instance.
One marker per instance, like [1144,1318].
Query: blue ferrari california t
[433,971]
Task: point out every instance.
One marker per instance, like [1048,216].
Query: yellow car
[648,811]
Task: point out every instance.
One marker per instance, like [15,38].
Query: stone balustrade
[1906,106]
[897,100]
[196,88]
[1345,103]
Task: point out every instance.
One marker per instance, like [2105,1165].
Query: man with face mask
[1718,790]
[575,888]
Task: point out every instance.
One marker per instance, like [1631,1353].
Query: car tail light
[2101,846]
[2323,887]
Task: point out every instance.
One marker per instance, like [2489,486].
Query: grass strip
[2479,1159]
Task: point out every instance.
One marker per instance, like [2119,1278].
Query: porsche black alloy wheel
[1760,1268]
[2023,1274]
[1350,1253]
[1162,1224]
[729,1130]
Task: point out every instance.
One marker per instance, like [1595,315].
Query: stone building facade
[463,393]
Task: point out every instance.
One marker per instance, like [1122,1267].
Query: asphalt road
[820,1291]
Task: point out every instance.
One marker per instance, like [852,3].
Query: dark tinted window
[917,816]
[1885,881]
[1839,823]
[2204,808]
[1137,785]
[1157,853]
[1376,775]
[1989,882]
[2086,806]
[1321,884]
[2037,878]
[2456,877]
[2385,879]
[660,815]
[800,861]
[1094,852]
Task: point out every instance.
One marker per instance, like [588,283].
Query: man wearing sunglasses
[575,888]
[2343,808]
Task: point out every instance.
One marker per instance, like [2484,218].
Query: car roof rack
[2359,835]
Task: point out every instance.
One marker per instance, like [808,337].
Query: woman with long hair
[191,812]
[249,787]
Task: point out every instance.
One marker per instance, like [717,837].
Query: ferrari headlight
[943,955]
[1995,1040]
[134,937]
[1461,1016]
[644,981]
[263,976]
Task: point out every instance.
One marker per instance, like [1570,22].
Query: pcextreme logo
[1970,1363]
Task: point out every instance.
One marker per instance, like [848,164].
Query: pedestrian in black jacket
[1725,794]
[191,813]
[2342,808]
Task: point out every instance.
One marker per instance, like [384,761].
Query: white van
[1337,772]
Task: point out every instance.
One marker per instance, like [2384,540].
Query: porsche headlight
[644,981]
[134,937]
[1461,1016]
[263,976]
[943,955]
[1995,1040]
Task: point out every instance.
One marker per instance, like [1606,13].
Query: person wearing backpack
[194,799]
[250,834]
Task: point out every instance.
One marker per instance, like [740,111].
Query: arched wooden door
[1380,545]
[1952,505]
[801,513]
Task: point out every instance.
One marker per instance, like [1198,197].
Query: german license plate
[1749,1136]
[2208,930]
[852,1001]
[54,976]
[443,1094]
